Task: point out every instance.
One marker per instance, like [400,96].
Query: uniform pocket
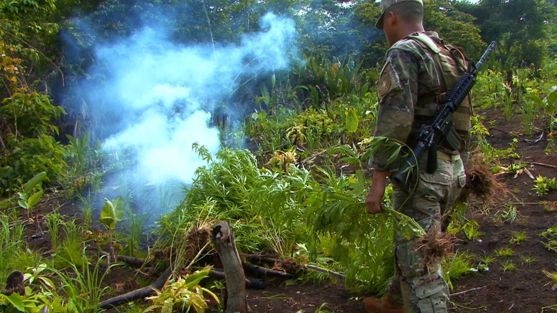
[432,186]
[461,181]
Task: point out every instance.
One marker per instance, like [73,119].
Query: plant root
[481,183]
[435,246]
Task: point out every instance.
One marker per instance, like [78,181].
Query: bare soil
[525,289]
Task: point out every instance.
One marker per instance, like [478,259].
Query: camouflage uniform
[409,90]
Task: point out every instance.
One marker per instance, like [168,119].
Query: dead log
[223,240]
[138,293]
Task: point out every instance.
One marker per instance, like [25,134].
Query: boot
[381,305]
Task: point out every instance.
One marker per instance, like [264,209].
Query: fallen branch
[263,271]
[466,291]
[544,164]
[324,270]
[269,260]
[138,293]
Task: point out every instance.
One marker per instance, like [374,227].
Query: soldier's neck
[406,30]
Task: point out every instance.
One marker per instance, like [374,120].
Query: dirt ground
[525,289]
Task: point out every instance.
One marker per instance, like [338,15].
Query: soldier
[418,72]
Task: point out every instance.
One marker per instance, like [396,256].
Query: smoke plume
[156,97]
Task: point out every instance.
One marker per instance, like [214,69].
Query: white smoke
[160,95]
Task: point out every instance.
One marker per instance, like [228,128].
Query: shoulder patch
[388,81]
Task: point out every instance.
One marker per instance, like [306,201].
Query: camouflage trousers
[419,287]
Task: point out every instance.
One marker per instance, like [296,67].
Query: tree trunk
[223,240]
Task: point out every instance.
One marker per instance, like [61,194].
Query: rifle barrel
[485,55]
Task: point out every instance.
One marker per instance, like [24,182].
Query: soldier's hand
[374,199]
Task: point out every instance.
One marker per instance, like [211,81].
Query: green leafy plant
[508,266]
[549,237]
[509,214]
[551,275]
[32,303]
[543,185]
[485,262]
[471,229]
[518,237]
[184,294]
[70,250]
[457,266]
[527,259]
[30,147]
[135,224]
[31,192]
[83,286]
[11,243]
[516,167]
[86,210]
[504,252]
[39,274]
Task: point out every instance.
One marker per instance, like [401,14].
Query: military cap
[386,4]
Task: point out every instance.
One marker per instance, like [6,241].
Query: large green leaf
[34,199]
[108,215]
[37,179]
[352,120]
[16,301]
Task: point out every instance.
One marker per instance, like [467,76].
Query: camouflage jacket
[407,88]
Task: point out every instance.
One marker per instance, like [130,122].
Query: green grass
[460,264]
[53,222]
[83,284]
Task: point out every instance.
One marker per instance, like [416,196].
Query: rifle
[433,134]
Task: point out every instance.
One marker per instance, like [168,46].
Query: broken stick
[223,240]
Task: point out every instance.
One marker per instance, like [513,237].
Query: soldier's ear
[390,18]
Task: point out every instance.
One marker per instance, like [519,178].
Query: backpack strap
[426,41]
